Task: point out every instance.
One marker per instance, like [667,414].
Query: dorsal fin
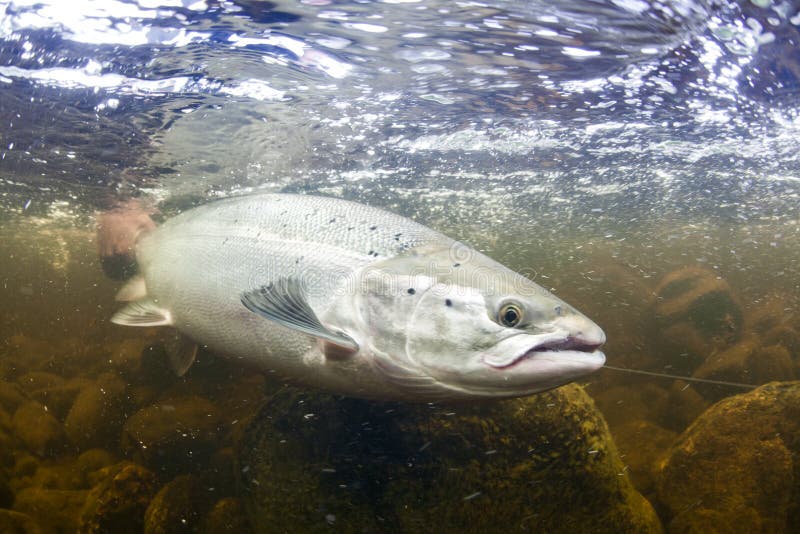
[285,303]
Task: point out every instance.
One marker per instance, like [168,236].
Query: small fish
[355,300]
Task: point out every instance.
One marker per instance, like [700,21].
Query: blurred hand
[118,230]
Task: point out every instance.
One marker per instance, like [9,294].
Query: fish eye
[510,314]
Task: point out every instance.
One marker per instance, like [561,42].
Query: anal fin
[142,313]
[181,352]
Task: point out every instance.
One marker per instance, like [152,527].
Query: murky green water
[638,159]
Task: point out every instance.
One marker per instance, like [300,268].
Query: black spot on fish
[332,220]
[411,290]
[559,311]
[448,302]
[373,227]
[456,265]
[370,253]
[350,228]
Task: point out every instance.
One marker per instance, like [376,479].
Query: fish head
[473,328]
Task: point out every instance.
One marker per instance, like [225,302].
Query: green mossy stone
[36,380]
[173,435]
[308,461]
[696,314]
[6,494]
[12,522]
[90,462]
[177,507]
[97,415]
[226,516]
[27,353]
[118,502]
[11,396]
[7,446]
[59,398]
[55,509]
[41,433]
[736,465]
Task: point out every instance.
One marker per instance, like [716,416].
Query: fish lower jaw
[569,348]
[589,360]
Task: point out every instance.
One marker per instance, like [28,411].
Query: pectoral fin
[285,303]
[142,313]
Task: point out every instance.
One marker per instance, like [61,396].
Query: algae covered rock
[11,395]
[6,494]
[177,507]
[59,398]
[748,361]
[41,433]
[12,522]
[735,468]
[175,434]
[543,463]
[97,415]
[118,502]
[56,509]
[227,515]
[697,313]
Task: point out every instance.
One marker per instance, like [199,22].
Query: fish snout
[583,334]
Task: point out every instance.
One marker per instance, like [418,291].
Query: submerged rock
[177,507]
[59,398]
[11,396]
[685,404]
[90,463]
[749,362]
[543,463]
[97,415]
[118,502]
[41,433]
[37,380]
[227,515]
[642,444]
[734,469]
[19,523]
[6,445]
[6,495]
[697,313]
[173,435]
[56,509]
[27,353]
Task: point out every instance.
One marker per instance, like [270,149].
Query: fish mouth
[556,347]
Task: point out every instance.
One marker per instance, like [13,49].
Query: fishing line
[685,378]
